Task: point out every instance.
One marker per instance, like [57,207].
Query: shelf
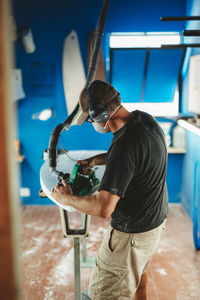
[191,32]
[180,46]
[172,150]
[189,126]
[181,18]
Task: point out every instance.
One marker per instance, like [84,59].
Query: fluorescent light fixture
[156,109]
[189,127]
[43,115]
[144,40]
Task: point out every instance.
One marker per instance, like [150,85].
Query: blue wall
[174,177]
[162,71]
[50,22]
[192,158]
[191,170]
[192,9]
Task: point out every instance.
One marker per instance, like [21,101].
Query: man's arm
[99,159]
[101,205]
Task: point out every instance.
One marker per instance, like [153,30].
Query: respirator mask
[104,129]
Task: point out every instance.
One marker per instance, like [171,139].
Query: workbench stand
[76,234]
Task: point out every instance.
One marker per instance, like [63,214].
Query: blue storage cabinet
[190,192]
[174,176]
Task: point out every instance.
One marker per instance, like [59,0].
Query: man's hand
[85,164]
[60,192]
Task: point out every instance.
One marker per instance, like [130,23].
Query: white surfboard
[64,164]
[74,77]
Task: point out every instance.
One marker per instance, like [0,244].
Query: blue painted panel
[192,9]
[144,15]
[174,177]
[196,206]
[189,193]
[191,172]
[162,75]
[188,177]
[128,73]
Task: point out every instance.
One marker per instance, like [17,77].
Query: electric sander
[80,184]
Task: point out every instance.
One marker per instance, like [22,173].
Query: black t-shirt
[136,171]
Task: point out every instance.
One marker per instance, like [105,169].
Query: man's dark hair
[113,104]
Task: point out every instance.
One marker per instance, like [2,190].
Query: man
[132,191]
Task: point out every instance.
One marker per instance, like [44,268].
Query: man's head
[102,95]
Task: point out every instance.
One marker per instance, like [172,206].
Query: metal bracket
[69,232]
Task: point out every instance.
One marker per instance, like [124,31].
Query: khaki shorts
[121,261]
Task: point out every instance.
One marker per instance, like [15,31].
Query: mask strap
[111,116]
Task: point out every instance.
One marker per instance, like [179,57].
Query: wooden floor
[47,257]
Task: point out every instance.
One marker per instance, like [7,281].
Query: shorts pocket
[118,241]
[140,243]
[110,242]
[109,282]
[146,240]
[111,247]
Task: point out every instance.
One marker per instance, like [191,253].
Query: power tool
[81,184]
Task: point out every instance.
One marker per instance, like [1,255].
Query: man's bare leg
[141,293]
